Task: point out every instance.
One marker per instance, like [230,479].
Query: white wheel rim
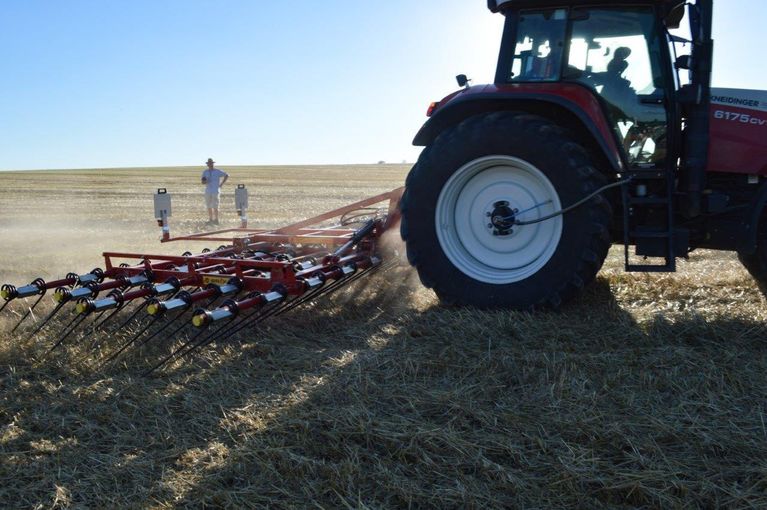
[466,233]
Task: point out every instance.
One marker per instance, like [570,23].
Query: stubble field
[649,391]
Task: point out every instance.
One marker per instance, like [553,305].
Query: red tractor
[600,128]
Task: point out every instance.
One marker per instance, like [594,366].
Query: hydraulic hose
[575,205]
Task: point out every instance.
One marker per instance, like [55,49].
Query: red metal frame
[260,266]
[300,232]
[309,241]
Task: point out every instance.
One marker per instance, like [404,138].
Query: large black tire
[497,154]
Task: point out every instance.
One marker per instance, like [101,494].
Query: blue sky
[97,83]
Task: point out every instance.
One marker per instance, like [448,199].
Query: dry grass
[649,391]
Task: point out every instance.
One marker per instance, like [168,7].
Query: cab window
[616,53]
[540,46]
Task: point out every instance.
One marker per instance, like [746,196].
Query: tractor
[601,127]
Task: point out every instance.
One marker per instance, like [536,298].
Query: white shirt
[213,175]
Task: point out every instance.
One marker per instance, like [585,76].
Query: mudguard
[555,100]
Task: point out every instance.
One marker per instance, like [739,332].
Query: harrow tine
[327,290]
[250,320]
[164,327]
[130,342]
[173,355]
[279,309]
[45,321]
[75,323]
[305,298]
[138,309]
[29,312]
[144,329]
[4,305]
[234,326]
[99,325]
[273,304]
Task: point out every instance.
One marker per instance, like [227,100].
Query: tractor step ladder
[633,233]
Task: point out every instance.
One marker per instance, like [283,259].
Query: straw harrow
[210,295]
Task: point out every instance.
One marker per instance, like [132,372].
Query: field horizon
[647,391]
[201,167]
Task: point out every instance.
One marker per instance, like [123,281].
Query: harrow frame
[260,273]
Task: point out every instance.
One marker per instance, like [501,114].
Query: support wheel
[469,195]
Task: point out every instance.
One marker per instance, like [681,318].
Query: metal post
[162,212]
[241,203]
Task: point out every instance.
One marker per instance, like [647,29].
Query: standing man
[211,178]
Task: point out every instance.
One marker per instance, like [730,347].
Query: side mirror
[462,80]
[683,62]
[674,18]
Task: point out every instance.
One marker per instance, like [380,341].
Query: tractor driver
[211,179]
[616,89]
[625,107]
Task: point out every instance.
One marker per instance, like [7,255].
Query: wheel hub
[502,218]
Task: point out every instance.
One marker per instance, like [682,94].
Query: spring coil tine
[251,321]
[329,289]
[29,312]
[303,299]
[326,291]
[261,315]
[138,309]
[75,323]
[9,292]
[257,315]
[75,279]
[129,342]
[40,284]
[173,355]
[45,321]
[236,322]
[165,326]
[98,326]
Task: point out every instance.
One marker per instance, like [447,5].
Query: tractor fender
[572,105]
[749,229]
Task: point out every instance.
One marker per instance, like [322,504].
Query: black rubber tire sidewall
[584,241]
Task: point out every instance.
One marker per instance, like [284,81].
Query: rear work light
[433,106]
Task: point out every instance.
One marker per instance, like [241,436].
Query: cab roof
[501,5]
[672,10]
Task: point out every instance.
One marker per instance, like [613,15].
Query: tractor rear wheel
[464,201]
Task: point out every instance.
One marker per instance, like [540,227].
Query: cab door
[617,53]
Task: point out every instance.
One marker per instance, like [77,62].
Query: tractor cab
[587,101]
[619,53]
